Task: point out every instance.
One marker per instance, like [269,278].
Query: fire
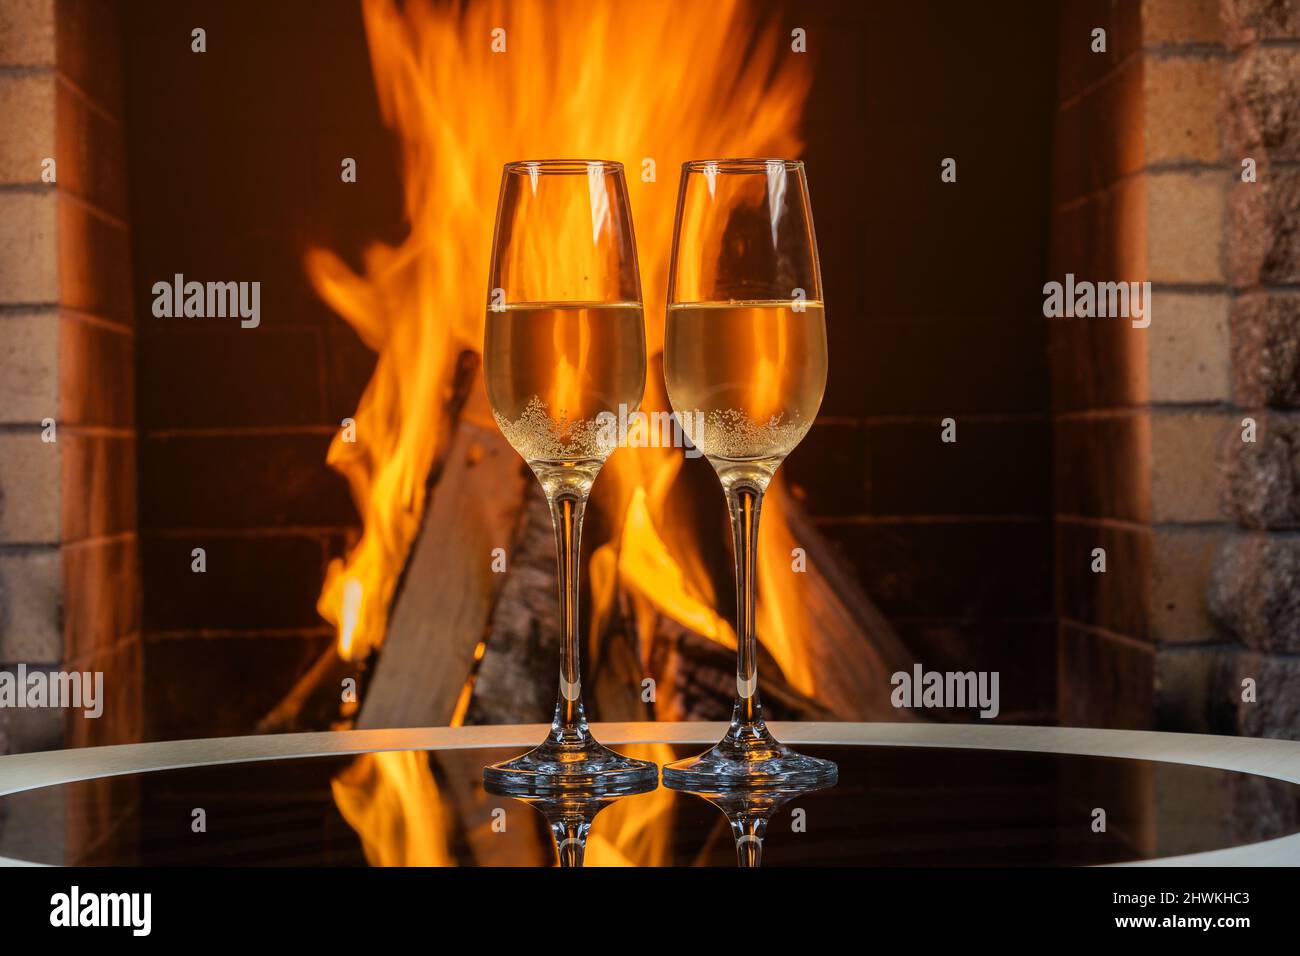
[648,84]
[651,85]
[631,832]
[391,800]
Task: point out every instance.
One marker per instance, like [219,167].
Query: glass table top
[892,806]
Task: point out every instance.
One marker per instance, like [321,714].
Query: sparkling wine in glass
[745,367]
[564,357]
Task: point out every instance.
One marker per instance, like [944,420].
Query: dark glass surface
[893,806]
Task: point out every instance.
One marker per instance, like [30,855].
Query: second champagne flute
[745,366]
[564,355]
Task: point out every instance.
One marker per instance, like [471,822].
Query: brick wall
[69,581]
[1256,580]
[69,556]
[232,180]
[1140,185]
[933,313]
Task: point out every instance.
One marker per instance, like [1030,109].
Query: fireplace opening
[897,529]
[309,520]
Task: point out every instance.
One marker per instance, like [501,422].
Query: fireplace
[204,531]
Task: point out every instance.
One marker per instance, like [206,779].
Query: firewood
[442,604]
[517,678]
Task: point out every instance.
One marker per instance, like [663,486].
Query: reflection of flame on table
[391,800]
[393,803]
[636,831]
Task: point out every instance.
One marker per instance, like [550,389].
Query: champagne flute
[745,366]
[564,356]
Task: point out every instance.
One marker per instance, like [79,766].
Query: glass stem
[748,833]
[570,840]
[744,501]
[570,723]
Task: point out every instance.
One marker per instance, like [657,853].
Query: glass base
[558,765]
[749,756]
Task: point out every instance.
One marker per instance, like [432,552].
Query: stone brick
[1180,97]
[1154,584]
[241,481]
[1117,599]
[1079,66]
[1191,690]
[1184,226]
[829,475]
[124,694]
[1099,363]
[1262,486]
[102,601]
[27,114]
[31,729]
[1255,590]
[1022,652]
[1247,21]
[99,485]
[1102,466]
[91,153]
[1266,349]
[263,376]
[1181,21]
[1264,105]
[29,488]
[94,263]
[261,582]
[349,365]
[994,468]
[1276,710]
[1185,453]
[1263,244]
[1105,237]
[956,569]
[97,374]
[31,587]
[1188,350]
[1105,681]
[27,33]
[937,366]
[29,261]
[1182,560]
[203,705]
[86,29]
[29,367]
[1097,138]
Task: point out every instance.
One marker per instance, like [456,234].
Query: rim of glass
[562,165]
[741,164]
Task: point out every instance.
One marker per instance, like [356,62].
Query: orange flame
[469,87]
[651,85]
[635,831]
[391,800]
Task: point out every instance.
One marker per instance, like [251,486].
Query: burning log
[313,702]
[441,607]
[457,630]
